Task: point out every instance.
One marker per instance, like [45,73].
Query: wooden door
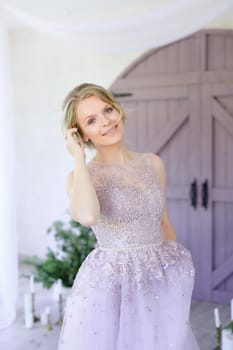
[179,100]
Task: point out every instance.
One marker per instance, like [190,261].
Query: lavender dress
[133,291]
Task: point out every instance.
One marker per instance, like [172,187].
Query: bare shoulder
[157,161]
[69,182]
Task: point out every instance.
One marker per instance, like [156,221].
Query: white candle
[57,289]
[32,287]
[28,315]
[231,309]
[227,340]
[47,315]
[59,286]
[28,302]
[217,318]
[29,320]
[55,292]
[43,319]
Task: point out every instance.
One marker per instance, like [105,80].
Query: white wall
[44,70]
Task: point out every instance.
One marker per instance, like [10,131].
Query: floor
[17,337]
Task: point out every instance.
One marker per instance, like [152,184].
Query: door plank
[222,116]
[206,215]
[171,129]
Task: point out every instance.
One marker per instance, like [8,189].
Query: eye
[109,109]
[91,121]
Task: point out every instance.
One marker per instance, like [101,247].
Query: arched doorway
[179,100]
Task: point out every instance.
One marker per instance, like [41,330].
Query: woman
[133,291]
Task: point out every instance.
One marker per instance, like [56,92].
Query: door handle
[205,194]
[193,193]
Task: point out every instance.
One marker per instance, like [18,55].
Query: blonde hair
[80,93]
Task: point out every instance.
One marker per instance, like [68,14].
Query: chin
[110,141]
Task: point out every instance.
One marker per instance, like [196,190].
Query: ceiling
[67,10]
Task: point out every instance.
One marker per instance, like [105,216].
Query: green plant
[74,242]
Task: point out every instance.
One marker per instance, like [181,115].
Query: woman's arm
[166,226]
[84,204]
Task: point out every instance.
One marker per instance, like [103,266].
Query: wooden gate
[180,106]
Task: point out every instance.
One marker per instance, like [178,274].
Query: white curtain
[138,32]
[8,241]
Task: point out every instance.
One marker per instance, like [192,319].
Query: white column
[8,240]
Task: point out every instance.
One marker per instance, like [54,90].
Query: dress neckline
[134,156]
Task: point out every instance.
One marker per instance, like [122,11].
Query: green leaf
[73,244]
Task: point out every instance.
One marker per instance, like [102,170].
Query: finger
[69,132]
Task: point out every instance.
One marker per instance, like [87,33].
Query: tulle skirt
[137,299]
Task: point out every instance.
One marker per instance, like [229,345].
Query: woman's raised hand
[74,143]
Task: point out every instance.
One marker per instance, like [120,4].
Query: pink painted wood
[181,108]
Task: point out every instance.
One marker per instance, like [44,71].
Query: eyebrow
[93,115]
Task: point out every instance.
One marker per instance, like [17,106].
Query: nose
[105,119]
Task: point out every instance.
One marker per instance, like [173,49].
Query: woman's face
[100,122]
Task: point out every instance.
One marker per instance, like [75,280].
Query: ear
[85,138]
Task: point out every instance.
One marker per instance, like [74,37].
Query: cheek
[89,129]
[93,132]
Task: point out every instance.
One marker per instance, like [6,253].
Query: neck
[113,154]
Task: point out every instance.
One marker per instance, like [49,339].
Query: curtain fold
[138,32]
[8,240]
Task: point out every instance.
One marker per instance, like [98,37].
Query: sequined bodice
[131,203]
